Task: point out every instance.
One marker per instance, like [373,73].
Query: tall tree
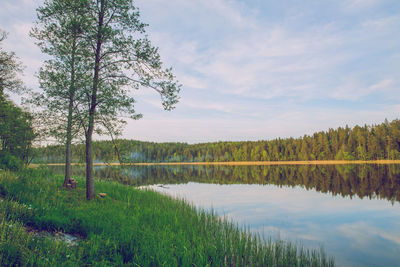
[122,59]
[60,30]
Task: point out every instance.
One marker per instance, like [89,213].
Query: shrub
[9,162]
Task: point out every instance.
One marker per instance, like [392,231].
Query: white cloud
[381,23]
[351,5]
[192,81]
[353,88]
[210,105]
[269,61]
[383,85]
[227,10]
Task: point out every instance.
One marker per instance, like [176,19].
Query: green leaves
[127,59]
[71,32]
[10,67]
[16,134]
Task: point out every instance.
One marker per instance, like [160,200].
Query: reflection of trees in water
[382,181]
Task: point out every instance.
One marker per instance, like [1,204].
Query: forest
[380,141]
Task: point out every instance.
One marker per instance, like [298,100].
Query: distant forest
[358,143]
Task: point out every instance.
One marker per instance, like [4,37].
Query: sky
[255,69]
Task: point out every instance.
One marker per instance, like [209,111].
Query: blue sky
[256,69]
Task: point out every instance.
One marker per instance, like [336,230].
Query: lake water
[352,211]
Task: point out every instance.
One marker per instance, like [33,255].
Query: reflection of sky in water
[355,231]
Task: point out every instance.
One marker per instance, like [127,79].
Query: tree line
[380,141]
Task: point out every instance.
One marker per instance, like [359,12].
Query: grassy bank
[129,227]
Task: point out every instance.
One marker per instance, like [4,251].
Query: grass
[129,227]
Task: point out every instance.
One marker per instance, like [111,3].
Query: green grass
[129,227]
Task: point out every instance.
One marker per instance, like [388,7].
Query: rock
[73,184]
[102,195]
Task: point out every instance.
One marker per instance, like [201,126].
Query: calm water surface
[352,211]
[355,231]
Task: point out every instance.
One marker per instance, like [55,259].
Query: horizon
[255,71]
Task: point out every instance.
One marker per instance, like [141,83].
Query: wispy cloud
[356,5]
[275,61]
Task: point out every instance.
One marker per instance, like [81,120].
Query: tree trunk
[68,154]
[90,193]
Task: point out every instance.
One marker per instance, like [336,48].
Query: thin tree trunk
[68,154]
[90,192]
[114,143]
[116,149]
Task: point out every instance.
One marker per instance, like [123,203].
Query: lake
[352,211]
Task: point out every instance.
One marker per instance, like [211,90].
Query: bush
[9,162]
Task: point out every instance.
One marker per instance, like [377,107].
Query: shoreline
[234,163]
